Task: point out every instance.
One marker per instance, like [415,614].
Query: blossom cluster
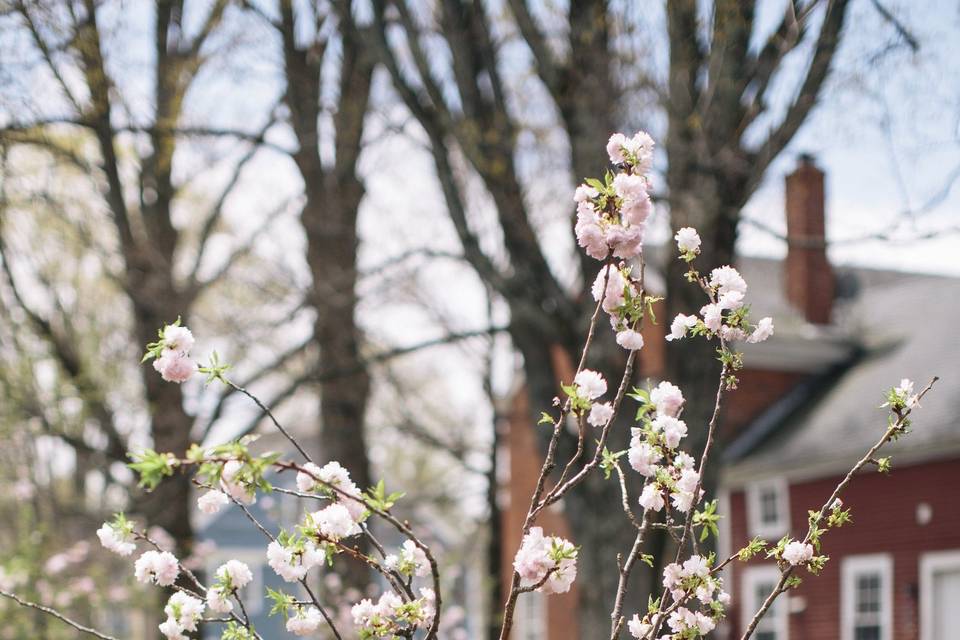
[725,315]
[333,474]
[409,561]
[117,536]
[391,616]
[184,612]
[547,562]
[700,602]
[587,387]
[654,453]
[171,353]
[621,298]
[612,214]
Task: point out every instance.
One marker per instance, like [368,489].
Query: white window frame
[850,568]
[775,530]
[531,610]
[255,559]
[930,564]
[750,604]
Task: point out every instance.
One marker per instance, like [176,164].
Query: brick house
[806,410]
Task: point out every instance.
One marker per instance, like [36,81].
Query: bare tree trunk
[329,218]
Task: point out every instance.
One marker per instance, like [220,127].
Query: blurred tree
[140,234]
[323,54]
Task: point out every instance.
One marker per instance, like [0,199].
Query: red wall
[884,521]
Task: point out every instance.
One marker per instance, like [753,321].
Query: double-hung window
[758,583]
[768,508]
[866,597]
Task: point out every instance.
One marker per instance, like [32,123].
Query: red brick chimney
[809,277]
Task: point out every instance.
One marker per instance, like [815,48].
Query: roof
[893,325]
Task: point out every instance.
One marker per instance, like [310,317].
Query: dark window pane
[866,633]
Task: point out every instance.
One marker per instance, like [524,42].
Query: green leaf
[152,467]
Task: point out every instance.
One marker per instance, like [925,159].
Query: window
[758,582]
[531,617]
[768,508]
[252,594]
[939,593]
[867,611]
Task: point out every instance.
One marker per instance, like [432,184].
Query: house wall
[525,462]
[884,509]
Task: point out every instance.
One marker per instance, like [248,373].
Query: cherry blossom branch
[547,467]
[56,614]
[785,573]
[302,581]
[402,527]
[270,415]
[626,568]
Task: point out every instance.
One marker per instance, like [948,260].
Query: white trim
[850,568]
[531,617]
[930,564]
[750,604]
[768,531]
[255,559]
[725,535]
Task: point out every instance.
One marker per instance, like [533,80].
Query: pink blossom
[218,601]
[667,398]
[212,501]
[615,146]
[630,340]
[643,457]
[652,497]
[590,234]
[673,430]
[175,366]
[305,621]
[172,630]
[335,522]
[584,193]
[533,560]
[797,552]
[688,240]
[158,567]
[726,279]
[688,480]
[681,500]
[614,296]
[732,334]
[640,146]
[235,573]
[566,572]
[627,242]
[712,316]
[305,481]
[177,338]
[731,300]
[637,628]
[590,384]
[680,325]
[539,554]
[185,610]
[630,187]
[116,541]
[231,484]
[363,612]
[600,414]
[763,330]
